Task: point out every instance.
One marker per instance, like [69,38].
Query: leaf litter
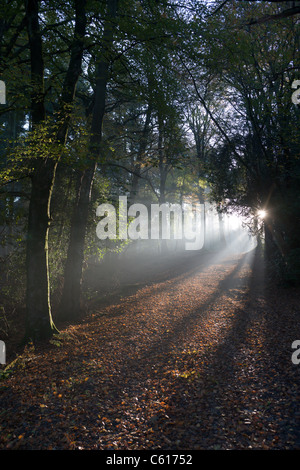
[201,360]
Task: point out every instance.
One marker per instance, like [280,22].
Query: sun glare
[261,213]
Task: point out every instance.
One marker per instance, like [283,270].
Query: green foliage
[256,163]
[233,140]
[61,339]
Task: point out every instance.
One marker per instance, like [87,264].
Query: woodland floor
[195,355]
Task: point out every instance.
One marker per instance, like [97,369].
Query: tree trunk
[275,251]
[201,197]
[71,307]
[137,167]
[222,231]
[162,165]
[39,322]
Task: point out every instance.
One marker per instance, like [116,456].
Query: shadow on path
[199,360]
[152,361]
[247,394]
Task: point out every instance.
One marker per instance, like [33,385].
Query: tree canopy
[159,101]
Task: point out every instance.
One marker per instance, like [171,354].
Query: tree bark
[137,167]
[39,322]
[222,231]
[201,197]
[71,303]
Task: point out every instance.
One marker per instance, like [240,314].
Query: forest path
[198,359]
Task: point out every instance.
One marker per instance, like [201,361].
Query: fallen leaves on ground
[198,361]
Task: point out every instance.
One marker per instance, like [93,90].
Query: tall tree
[258,168]
[71,298]
[39,322]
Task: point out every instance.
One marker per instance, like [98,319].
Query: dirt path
[199,359]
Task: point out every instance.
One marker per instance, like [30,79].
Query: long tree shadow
[134,366]
[223,402]
[281,327]
[175,272]
[158,353]
[246,396]
[211,409]
[112,280]
[184,326]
